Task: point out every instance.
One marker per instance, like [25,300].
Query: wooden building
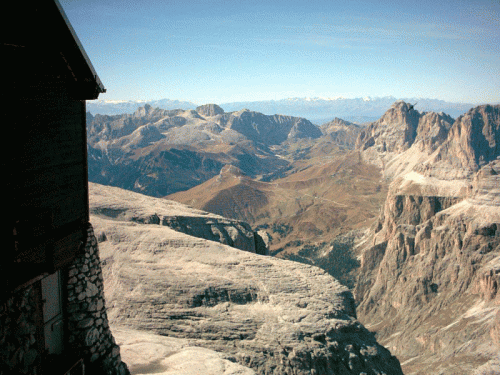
[47,79]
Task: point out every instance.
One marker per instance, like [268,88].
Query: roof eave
[99,86]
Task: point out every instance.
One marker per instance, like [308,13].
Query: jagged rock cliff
[387,142]
[473,141]
[271,315]
[429,277]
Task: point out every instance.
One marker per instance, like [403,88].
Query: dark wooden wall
[46,170]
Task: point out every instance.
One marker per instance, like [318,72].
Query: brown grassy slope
[324,196]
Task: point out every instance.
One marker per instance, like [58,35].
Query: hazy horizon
[203,102]
[219,52]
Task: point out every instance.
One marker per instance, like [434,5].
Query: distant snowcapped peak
[118,101]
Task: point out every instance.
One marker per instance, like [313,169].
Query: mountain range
[317,110]
[430,265]
[404,211]
[159,152]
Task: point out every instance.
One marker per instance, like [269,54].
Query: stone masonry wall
[89,332]
[19,352]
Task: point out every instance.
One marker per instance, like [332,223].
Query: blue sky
[232,50]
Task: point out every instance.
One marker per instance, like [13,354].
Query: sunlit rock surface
[270,315]
[435,250]
[149,353]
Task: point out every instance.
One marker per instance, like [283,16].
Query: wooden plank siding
[48,77]
[50,169]
[48,180]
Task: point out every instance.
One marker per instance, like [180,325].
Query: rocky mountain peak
[340,121]
[432,130]
[477,133]
[210,110]
[395,131]
[401,112]
[271,129]
[436,242]
[341,131]
[472,142]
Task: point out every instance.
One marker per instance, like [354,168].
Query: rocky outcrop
[210,110]
[435,250]
[229,232]
[403,138]
[155,354]
[432,130]
[394,132]
[125,205]
[443,266]
[472,142]
[267,314]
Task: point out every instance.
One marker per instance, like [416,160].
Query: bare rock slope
[150,353]
[138,208]
[435,251]
[268,314]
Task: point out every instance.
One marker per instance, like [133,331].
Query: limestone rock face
[473,141]
[435,250]
[403,138]
[432,130]
[119,204]
[267,314]
[394,132]
[154,354]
